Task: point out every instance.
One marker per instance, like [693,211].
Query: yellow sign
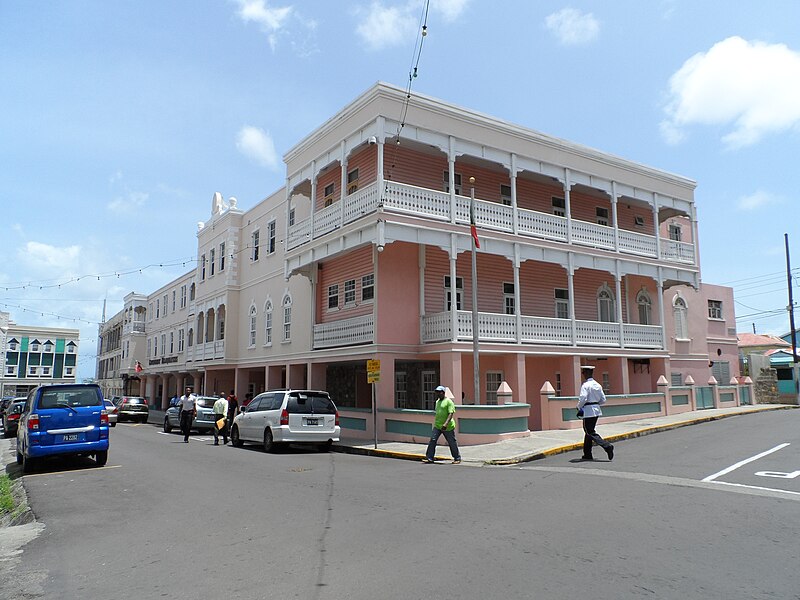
[373,371]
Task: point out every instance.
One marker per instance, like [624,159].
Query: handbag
[221,423]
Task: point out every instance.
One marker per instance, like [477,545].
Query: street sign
[373,371]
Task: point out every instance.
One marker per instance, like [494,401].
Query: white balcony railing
[498,327]
[346,332]
[433,204]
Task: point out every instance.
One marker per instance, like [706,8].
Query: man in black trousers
[187,410]
[589,402]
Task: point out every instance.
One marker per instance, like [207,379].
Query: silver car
[288,417]
[203,421]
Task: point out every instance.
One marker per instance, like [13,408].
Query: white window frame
[680,312]
[715,310]
[183,296]
[268,323]
[400,389]
[674,232]
[561,303]
[252,313]
[493,381]
[254,244]
[333,296]
[163,344]
[287,318]
[605,299]
[456,182]
[602,215]
[181,340]
[368,283]
[222,256]
[212,258]
[429,384]
[559,206]
[350,292]
[509,306]
[448,293]
[202,269]
[505,194]
[174,299]
[272,228]
[645,306]
[352,181]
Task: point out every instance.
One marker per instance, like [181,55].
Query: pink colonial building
[584,258]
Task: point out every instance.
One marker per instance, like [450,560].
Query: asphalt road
[174,520]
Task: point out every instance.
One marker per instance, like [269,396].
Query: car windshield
[69,397]
[206,401]
[308,403]
[135,401]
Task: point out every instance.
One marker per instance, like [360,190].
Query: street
[708,511]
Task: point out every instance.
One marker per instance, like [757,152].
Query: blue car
[58,420]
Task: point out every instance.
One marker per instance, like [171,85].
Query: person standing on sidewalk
[233,407]
[220,414]
[187,410]
[443,424]
[590,400]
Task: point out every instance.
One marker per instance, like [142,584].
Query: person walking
[187,407]
[233,407]
[221,414]
[443,424]
[590,400]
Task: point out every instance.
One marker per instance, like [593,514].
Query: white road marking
[779,474]
[85,470]
[755,487]
[741,463]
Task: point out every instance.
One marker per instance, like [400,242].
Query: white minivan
[288,417]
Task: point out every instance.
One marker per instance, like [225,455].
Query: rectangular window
[429,383]
[562,303]
[367,287]
[172,342]
[163,344]
[505,194]
[602,215]
[400,389]
[350,292]
[328,194]
[222,256]
[34,346]
[212,260]
[456,179]
[352,181]
[202,269]
[675,233]
[493,381]
[181,340]
[449,292]
[606,383]
[508,298]
[291,216]
[149,347]
[155,346]
[252,329]
[715,309]
[174,297]
[158,308]
[254,245]
[268,328]
[333,297]
[48,347]
[183,296]
[287,323]
[676,379]
[271,237]
[558,384]
[559,206]
[69,371]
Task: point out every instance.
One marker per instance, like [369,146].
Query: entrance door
[705,397]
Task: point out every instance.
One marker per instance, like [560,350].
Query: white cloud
[271,20]
[128,204]
[573,27]
[756,200]
[257,145]
[753,87]
[383,26]
[45,257]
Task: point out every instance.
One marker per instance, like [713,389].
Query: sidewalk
[547,443]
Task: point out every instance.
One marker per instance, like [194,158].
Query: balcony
[501,328]
[207,351]
[346,332]
[432,204]
[134,327]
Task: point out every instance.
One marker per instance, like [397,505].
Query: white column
[567,207]
[288,210]
[517,307]
[571,294]
[379,178]
[421,265]
[695,237]
[453,288]
[618,285]
[660,287]
[451,174]
[614,214]
[657,226]
[515,214]
[343,195]
[313,199]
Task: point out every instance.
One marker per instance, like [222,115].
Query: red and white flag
[472,228]
[139,367]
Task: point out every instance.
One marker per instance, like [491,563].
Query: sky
[119,119]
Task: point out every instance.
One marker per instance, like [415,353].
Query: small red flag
[472,229]
[139,368]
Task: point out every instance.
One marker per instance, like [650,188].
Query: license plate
[312,421]
[70,437]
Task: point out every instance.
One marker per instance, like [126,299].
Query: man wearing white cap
[443,424]
[589,402]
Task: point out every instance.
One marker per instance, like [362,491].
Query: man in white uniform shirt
[589,402]
[187,410]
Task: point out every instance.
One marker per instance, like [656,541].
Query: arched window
[680,311]
[191,337]
[605,305]
[645,307]
[268,323]
[253,313]
[287,318]
[191,292]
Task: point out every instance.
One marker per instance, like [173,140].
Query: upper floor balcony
[490,216]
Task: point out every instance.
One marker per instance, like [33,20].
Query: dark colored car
[11,417]
[63,419]
[132,408]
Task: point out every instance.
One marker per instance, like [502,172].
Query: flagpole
[476,366]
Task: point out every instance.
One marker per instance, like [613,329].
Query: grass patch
[6,499]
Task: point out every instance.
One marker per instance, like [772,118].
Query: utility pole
[790,308]
[476,365]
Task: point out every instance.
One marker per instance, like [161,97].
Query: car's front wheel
[167,426]
[235,439]
[101,458]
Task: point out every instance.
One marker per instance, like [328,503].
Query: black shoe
[216,443]
[587,458]
[610,452]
